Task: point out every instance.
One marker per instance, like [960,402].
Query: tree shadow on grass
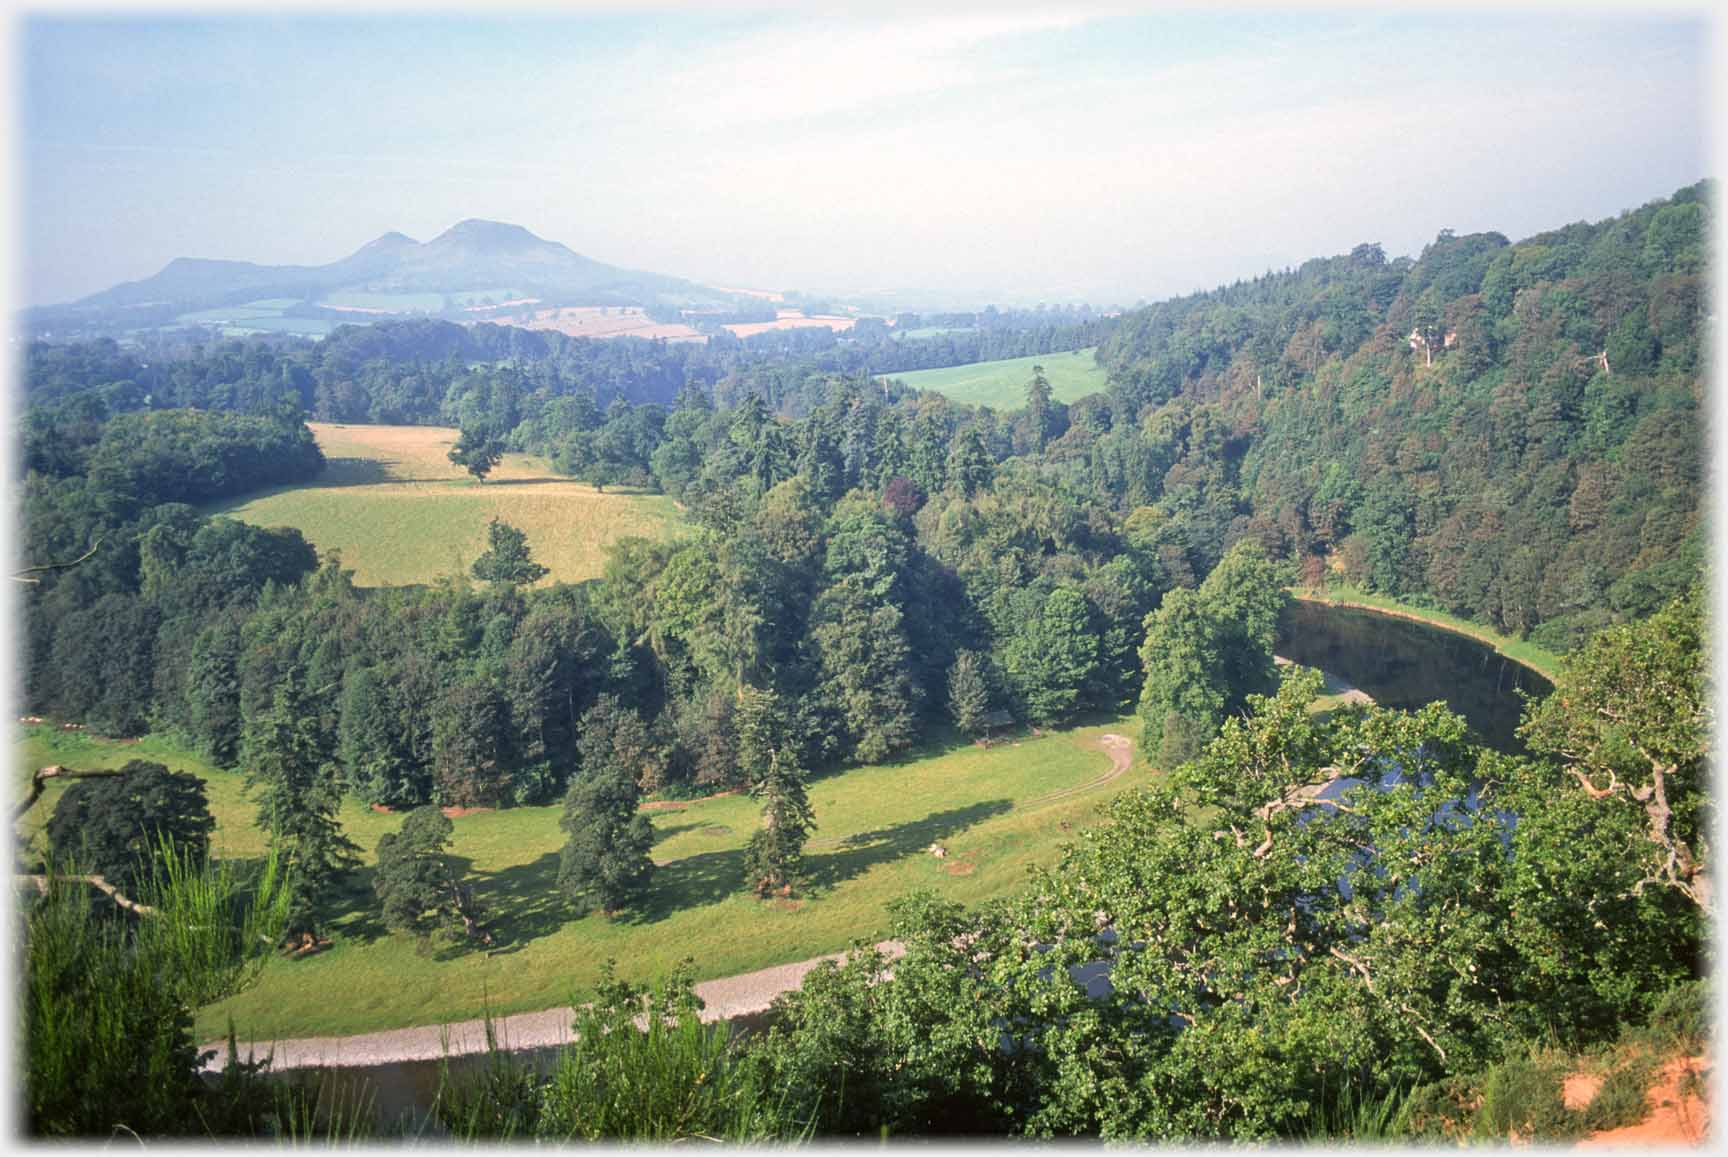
[691,882]
[354,471]
[661,835]
[864,850]
[353,909]
[522,903]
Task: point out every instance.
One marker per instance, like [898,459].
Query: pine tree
[507,559]
[773,863]
[970,466]
[295,781]
[968,693]
[605,858]
[1038,409]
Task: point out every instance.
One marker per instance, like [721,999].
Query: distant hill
[471,265]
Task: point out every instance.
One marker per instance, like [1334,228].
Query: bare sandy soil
[1677,1115]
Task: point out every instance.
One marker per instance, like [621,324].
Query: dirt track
[723,998]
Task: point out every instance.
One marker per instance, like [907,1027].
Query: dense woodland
[1509,432]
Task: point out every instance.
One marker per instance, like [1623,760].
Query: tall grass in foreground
[108,994]
[643,1067]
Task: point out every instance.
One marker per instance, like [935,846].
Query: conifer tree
[605,858]
[968,693]
[970,466]
[507,559]
[773,863]
[294,778]
[1038,409]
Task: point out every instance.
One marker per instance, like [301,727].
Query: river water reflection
[1405,664]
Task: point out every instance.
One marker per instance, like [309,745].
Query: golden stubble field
[401,512]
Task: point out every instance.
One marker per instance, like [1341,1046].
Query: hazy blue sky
[1023,156]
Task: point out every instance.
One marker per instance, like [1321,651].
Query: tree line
[1315,916]
[881,566]
[1506,431]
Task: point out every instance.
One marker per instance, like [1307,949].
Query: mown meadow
[996,812]
[1001,385]
[400,512]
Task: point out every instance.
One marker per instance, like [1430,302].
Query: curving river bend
[1397,662]
[1405,664]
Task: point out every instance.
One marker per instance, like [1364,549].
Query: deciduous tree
[115,827]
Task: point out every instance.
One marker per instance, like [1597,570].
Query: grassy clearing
[1001,384]
[1544,661]
[262,316]
[996,811]
[385,302]
[400,512]
[470,297]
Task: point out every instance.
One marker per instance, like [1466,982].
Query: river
[1397,662]
[1401,663]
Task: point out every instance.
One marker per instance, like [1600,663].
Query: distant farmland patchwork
[400,512]
[1001,385]
[594,321]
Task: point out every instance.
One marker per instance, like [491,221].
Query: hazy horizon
[1016,157]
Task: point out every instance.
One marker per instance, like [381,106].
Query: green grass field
[262,316]
[1542,660]
[480,296]
[1001,385]
[400,512]
[997,811]
[388,302]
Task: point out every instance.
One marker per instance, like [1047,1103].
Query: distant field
[303,326]
[262,316]
[995,811]
[791,319]
[596,321]
[384,302]
[930,331]
[400,512]
[1001,385]
[472,297]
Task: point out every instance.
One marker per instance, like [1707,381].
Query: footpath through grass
[1001,385]
[996,812]
[401,512]
[1520,650]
